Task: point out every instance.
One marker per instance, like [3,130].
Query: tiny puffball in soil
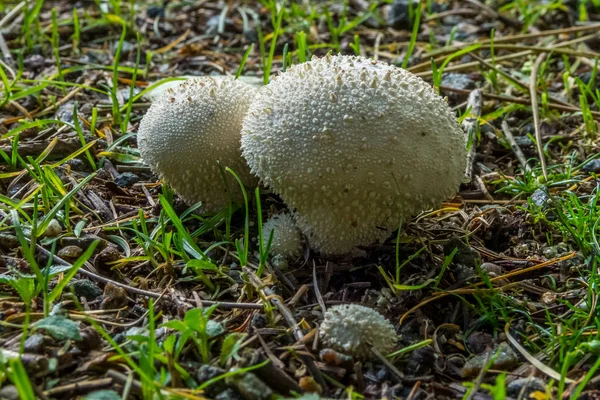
[352,146]
[286,236]
[353,329]
[191,133]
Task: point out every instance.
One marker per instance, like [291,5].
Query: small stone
[70,252]
[540,198]
[550,252]
[9,392]
[228,394]
[280,262]
[420,361]
[477,342]
[77,164]
[458,81]
[155,11]
[523,141]
[34,62]
[65,112]
[548,298]
[207,372]
[108,255]
[523,388]
[491,269]
[592,166]
[90,339]
[85,288]
[114,297]
[505,360]
[34,343]
[258,321]
[54,229]
[126,179]
[464,255]
[250,386]
[8,241]
[397,14]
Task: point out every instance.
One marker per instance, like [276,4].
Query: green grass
[203,254]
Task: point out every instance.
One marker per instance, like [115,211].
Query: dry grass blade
[536,112]
[515,147]
[534,361]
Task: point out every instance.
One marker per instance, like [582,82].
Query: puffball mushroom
[286,237]
[353,329]
[191,133]
[352,145]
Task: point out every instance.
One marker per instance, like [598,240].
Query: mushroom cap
[354,329]
[286,236]
[191,133]
[352,145]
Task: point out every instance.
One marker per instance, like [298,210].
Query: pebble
[34,62]
[397,14]
[280,262]
[9,392]
[70,252]
[258,321]
[250,386]
[126,179]
[34,343]
[592,166]
[228,394]
[540,198]
[491,269]
[523,388]
[8,241]
[506,359]
[108,255]
[458,81]
[85,288]
[479,341]
[420,361]
[207,372]
[65,112]
[114,297]
[550,252]
[54,229]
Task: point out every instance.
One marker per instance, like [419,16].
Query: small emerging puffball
[191,133]
[353,145]
[286,236]
[353,329]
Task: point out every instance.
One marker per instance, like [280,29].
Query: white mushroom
[354,329]
[286,236]
[352,145]
[191,133]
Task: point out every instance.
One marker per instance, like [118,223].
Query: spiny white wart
[191,133]
[354,329]
[286,236]
[353,145]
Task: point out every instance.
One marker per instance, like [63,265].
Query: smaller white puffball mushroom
[286,236]
[191,133]
[354,329]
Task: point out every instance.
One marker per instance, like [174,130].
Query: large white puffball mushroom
[286,240]
[352,145]
[354,329]
[191,133]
